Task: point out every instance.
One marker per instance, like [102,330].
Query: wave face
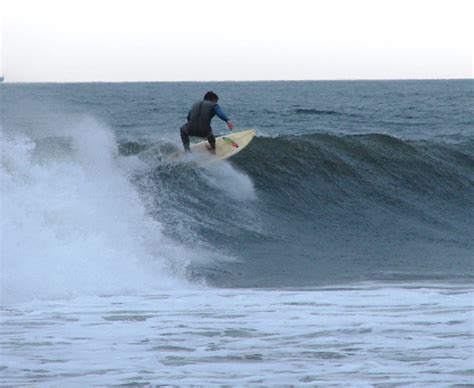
[310,209]
[345,182]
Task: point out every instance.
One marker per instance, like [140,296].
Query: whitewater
[336,250]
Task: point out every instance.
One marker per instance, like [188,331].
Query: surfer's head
[211,96]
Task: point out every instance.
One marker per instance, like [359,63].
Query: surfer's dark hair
[209,96]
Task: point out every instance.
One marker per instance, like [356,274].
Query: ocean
[337,249]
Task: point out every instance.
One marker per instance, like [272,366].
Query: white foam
[76,225]
[229,179]
[358,335]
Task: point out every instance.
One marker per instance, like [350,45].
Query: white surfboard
[226,146]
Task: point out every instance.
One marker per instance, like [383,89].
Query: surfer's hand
[230,125]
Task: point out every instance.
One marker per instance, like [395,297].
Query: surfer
[199,121]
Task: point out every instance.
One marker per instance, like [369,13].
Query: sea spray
[236,184]
[75,225]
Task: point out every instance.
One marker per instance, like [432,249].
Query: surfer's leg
[212,141]
[185,138]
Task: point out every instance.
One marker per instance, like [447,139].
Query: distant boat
[1,79]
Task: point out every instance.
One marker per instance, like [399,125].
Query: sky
[203,40]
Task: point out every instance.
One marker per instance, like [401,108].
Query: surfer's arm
[220,113]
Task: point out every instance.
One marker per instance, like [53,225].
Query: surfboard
[226,146]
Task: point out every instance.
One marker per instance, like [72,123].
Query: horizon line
[4,81]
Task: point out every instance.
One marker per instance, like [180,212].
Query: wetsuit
[199,122]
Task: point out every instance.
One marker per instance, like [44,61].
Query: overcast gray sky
[145,40]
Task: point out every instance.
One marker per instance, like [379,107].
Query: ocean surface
[336,249]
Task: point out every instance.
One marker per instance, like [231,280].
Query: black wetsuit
[199,122]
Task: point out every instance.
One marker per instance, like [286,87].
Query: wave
[317,112]
[94,216]
[329,207]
